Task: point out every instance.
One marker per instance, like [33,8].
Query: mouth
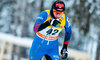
[58,15]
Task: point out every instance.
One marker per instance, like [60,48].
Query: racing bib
[52,33]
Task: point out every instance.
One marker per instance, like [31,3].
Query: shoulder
[42,15]
[48,11]
[45,12]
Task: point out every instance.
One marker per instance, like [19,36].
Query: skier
[48,25]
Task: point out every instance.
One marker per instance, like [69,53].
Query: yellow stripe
[48,17]
[55,27]
[62,20]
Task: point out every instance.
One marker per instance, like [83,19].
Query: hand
[54,22]
[64,53]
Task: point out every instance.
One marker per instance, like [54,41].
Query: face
[57,14]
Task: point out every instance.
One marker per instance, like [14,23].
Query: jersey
[65,23]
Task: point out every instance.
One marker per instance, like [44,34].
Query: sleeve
[40,20]
[68,31]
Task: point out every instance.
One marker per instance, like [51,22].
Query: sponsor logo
[39,18]
[61,26]
[62,17]
[68,22]
[56,56]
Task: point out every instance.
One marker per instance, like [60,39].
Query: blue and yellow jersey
[45,16]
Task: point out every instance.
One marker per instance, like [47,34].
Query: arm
[39,24]
[68,33]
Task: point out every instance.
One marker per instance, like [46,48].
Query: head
[58,9]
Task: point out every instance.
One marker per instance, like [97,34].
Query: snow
[19,41]
[69,3]
[90,1]
[30,1]
[93,32]
[18,30]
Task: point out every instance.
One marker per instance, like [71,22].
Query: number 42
[53,32]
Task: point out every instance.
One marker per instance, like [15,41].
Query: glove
[44,25]
[64,52]
[54,22]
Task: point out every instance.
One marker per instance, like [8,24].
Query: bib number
[52,31]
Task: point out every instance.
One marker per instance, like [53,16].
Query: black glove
[54,22]
[44,25]
[64,52]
